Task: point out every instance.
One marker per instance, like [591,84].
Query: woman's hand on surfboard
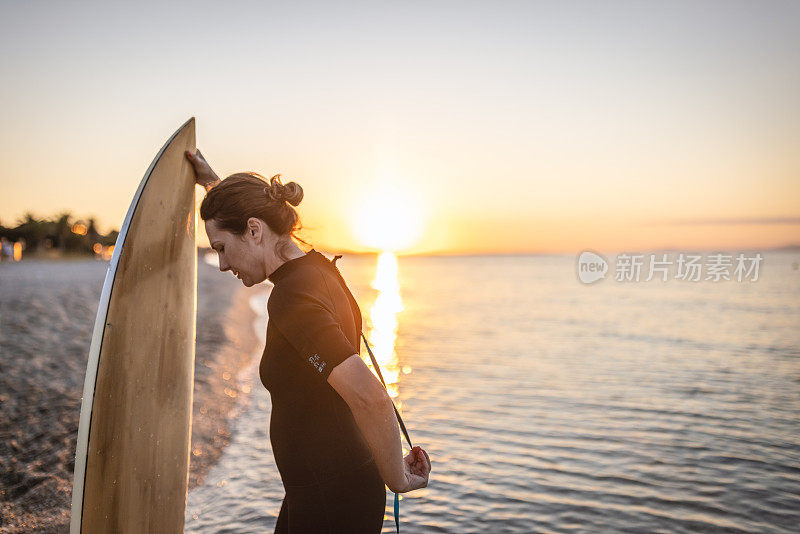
[417,468]
[204,175]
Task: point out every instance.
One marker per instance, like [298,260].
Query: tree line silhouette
[61,232]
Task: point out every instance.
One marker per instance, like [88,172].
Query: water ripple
[547,406]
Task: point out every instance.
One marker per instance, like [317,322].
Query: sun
[387,218]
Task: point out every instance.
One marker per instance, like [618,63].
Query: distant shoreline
[55,255]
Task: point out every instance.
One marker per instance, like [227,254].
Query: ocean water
[548,405]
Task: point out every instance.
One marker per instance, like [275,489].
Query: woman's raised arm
[205,176]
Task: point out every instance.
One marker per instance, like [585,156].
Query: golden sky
[455,127]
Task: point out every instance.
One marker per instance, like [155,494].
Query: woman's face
[243,255]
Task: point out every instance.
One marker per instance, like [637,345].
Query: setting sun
[387,218]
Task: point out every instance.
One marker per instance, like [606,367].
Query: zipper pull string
[378,370]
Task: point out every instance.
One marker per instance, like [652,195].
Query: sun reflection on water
[383,321]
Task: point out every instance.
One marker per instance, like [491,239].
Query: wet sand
[47,313]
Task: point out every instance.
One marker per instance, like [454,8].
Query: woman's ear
[255,229]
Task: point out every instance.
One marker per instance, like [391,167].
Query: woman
[333,429]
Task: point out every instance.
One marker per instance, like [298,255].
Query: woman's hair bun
[291,192]
[243,195]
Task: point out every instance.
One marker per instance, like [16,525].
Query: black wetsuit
[332,483]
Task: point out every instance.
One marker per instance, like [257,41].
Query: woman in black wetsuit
[333,429]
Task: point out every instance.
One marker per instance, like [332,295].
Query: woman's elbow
[356,384]
[373,397]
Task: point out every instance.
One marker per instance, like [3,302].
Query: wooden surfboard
[132,454]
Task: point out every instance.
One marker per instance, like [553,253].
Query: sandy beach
[47,312]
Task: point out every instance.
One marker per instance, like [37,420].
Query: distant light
[97,248]
[17,251]
[79,229]
[387,217]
